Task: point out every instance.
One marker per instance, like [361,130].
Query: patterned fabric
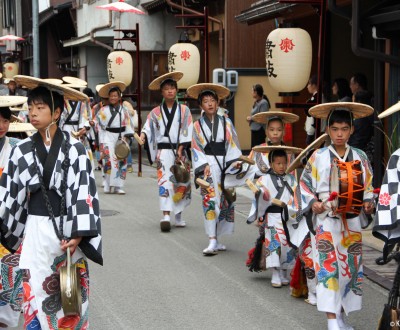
[338,265]
[173,196]
[387,218]
[81,115]
[218,213]
[83,213]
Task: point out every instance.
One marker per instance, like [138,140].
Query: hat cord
[48,135]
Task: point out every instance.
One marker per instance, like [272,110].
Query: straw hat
[265,117]
[155,85]
[314,145]
[54,81]
[8,80]
[69,93]
[195,90]
[98,87]
[74,81]
[267,148]
[8,101]
[76,86]
[23,107]
[323,110]
[103,91]
[18,127]
[394,108]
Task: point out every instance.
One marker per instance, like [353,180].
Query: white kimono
[218,212]
[178,125]
[338,265]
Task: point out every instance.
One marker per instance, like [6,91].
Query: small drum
[347,181]
[181,171]
[122,149]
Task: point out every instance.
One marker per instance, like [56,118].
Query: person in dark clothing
[261,104]
[341,90]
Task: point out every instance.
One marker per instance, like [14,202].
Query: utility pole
[35,39]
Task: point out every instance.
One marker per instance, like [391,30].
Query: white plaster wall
[43,5]
[95,59]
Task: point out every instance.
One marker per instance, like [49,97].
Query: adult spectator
[261,104]
[341,90]
[358,82]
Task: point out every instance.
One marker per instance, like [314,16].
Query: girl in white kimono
[337,229]
[114,122]
[10,274]
[215,149]
[49,201]
[167,134]
[276,185]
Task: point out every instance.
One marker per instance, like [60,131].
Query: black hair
[5,112]
[88,92]
[260,92]
[207,93]
[340,116]
[41,94]
[170,82]
[313,80]
[114,89]
[276,153]
[343,87]
[363,97]
[361,80]
[270,120]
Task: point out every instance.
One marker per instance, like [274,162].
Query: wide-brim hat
[8,80]
[155,85]
[53,80]
[98,87]
[267,148]
[265,117]
[68,93]
[8,101]
[74,81]
[74,86]
[195,90]
[394,108]
[103,91]
[314,145]
[15,119]
[23,107]
[359,110]
[18,127]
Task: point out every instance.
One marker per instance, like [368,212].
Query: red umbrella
[10,37]
[122,7]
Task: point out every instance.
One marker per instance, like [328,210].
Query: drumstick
[138,139]
[247,160]
[278,202]
[203,183]
[252,186]
[75,134]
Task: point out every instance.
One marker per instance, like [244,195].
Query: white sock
[167,217]
[333,324]
[178,216]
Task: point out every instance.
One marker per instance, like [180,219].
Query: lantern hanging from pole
[185,57]
[120,66]
[10,69]
[288,55]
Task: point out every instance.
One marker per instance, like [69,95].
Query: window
[8,13]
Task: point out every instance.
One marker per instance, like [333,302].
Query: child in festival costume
[215,149]
[49,201]
[387,219]
[337,224]
[276,185]
[167,133]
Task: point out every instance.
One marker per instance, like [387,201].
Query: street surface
[154,280]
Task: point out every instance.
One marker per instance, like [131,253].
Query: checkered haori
[19,179]
[387,218]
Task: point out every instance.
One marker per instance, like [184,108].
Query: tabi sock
[167,217]
[333,324]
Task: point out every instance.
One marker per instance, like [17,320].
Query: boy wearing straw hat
[167,133]
[345,171]
[114,123]
[49,201]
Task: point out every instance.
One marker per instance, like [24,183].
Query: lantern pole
[133,36]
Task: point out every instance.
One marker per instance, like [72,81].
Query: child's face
[209,105]
[279,165]
[275,132]
[40,115]
[340,133]
[4,125]
[169,92]
[114,97]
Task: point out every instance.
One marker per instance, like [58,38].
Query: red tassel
[250,255]
[295,283]
[332,196]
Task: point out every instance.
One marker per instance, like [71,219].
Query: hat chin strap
[48,136]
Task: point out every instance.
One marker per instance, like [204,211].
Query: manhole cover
[108,213]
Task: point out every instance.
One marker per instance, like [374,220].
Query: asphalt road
[154,280]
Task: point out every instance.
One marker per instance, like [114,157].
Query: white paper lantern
[185,57]
[10,70]
[288,55]
[120,67]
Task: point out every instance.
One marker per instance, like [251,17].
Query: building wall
[94,60]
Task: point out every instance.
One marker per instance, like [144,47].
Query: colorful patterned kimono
[10,274]
[114,168]
[75,116]
[218,212]
[178,125]
[22,219]
[338,266]
[387,218]
[279,252]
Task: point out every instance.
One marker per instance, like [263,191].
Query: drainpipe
[107,26]
[355,40]
[332,7]
[213,19]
